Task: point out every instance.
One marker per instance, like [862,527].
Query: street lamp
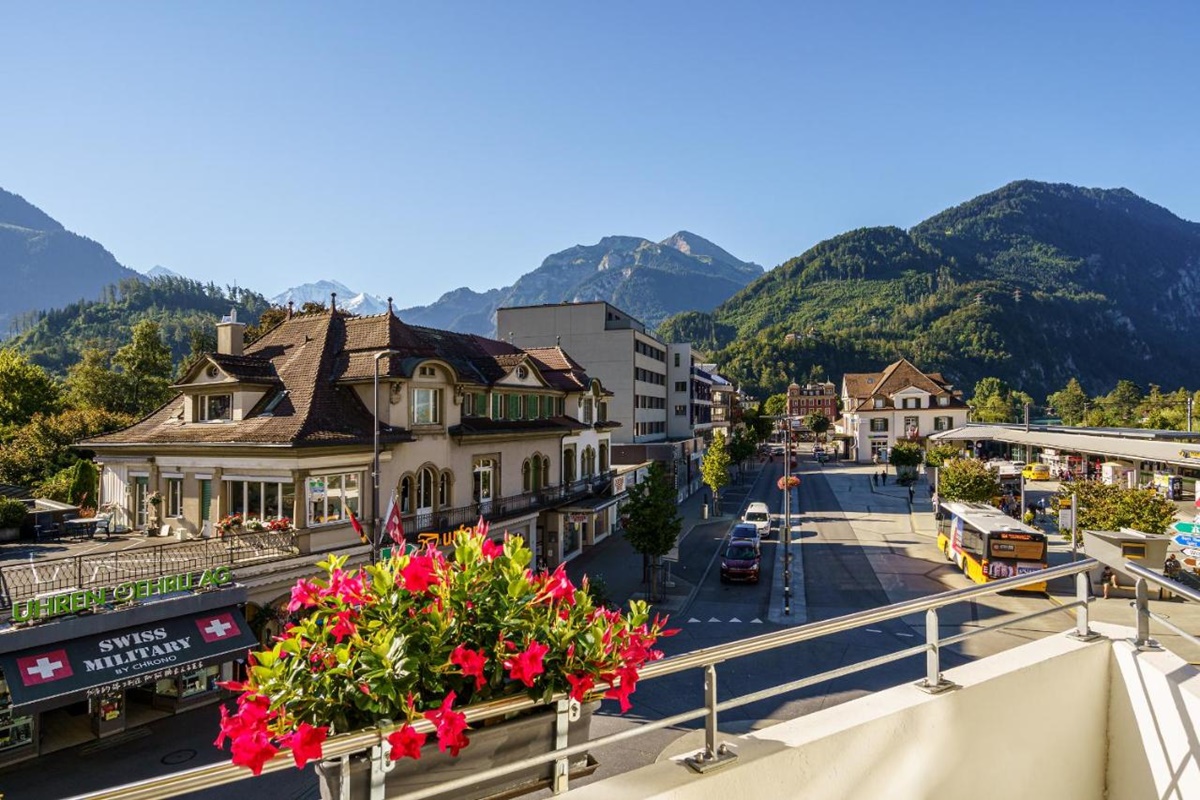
[375,462]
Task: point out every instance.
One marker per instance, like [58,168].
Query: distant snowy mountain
[347,299]
[159,271]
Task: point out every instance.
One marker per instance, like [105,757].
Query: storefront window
[260,499]
[174,497]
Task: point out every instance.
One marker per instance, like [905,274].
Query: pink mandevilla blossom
[347,587]
[471,663]
[526,666]
[491,549]
[580,685]
[558,587]
[304,594]
[419,574]
[406,743]
[344,626]
[253,750]
[450,726]
[305,742]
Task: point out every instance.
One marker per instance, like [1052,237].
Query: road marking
[905,635]
[874,630]
[693,619]
[713,619]
[734,619]
[756,621]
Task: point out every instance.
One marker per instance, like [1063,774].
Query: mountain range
[1034,283]
[648,280]
[359,303]
[44,265]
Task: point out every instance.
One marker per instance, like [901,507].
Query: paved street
[858,546]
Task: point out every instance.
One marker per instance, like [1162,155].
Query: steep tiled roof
[311,359]
[895,377]
[315,411]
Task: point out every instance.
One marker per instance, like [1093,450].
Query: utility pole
[787,518]
[1189,406]
[1027,417]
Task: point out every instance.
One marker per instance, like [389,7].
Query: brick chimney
[230,335]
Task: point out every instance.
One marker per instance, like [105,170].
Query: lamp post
[375,461]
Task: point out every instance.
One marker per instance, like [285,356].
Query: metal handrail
[214,775]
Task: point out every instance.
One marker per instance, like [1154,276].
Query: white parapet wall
[1053,718]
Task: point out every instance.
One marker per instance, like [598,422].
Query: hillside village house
[469,426]
[901,402]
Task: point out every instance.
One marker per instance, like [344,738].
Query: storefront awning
[589,506]
[52,674]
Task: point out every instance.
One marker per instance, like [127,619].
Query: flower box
[491,746]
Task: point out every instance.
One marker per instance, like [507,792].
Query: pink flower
[627,678]
[580,685]
[450,726]
[304,594]
[406,742]
[305,742]
[491,549]
[527,665]
[471,662]
[253,750]
[347,587]
[419,574]
[558,587]
[344,626]
[251,717]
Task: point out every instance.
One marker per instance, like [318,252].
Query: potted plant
[229,524]
[421,635]
[12,517]
[254,525]
[279,524]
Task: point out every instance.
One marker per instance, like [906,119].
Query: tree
[1069,402]
[714,467]
[905,456]
[92,383]
[1107,507]
[651,520]
[1123,401]
[968,480]
[939,454]
[741,447]
[818,423]
[44,446]
[146,368]
[775,405]
[995,401]
[269,319]
[758,424]
[25,389]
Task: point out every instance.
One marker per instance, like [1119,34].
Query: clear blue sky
[409,149]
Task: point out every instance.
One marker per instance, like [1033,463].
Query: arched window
[406,494]
[426,480]
[545,471]
[604,456]
[537,481]
[445,489]
[526,476]
[589,461]
[568,465]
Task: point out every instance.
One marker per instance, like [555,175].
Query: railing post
[713,755]
[1142,609]
[1083,631]
[381,765]
[567,711]
[933,683]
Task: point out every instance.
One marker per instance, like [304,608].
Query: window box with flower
[418,637]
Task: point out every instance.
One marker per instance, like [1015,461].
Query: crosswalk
[755,621]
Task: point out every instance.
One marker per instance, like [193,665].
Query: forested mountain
[1034,283]
[187,312]
[648,280]
[43,265]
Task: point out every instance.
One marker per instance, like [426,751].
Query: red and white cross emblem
[44,667]
[214,629]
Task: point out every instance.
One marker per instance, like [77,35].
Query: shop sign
[618,485]
[113,660]
[578,517]
[57,605]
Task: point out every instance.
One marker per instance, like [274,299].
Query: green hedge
[12,513]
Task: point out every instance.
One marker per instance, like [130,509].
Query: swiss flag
[392,524]
[44,667]
[214,629]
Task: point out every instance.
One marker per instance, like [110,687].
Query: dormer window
[427,407]
[879,402]
[522,372]
[213,371]
[427,372]
[214,408]
[944,400]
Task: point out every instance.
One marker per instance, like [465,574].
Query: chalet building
[901,402]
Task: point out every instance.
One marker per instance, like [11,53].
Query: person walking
[875,478]
[910,494]
[883,476]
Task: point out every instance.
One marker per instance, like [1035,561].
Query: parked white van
[758,515]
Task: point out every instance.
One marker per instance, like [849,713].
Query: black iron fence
[506,507]
[53,576]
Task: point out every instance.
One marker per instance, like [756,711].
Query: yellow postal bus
[988,545]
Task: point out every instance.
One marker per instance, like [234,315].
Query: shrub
[12,513]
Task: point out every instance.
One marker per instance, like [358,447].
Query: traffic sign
[1186,540]
[1191,552]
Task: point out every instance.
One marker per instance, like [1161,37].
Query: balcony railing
[707,659]
[503,508]
[29,580]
